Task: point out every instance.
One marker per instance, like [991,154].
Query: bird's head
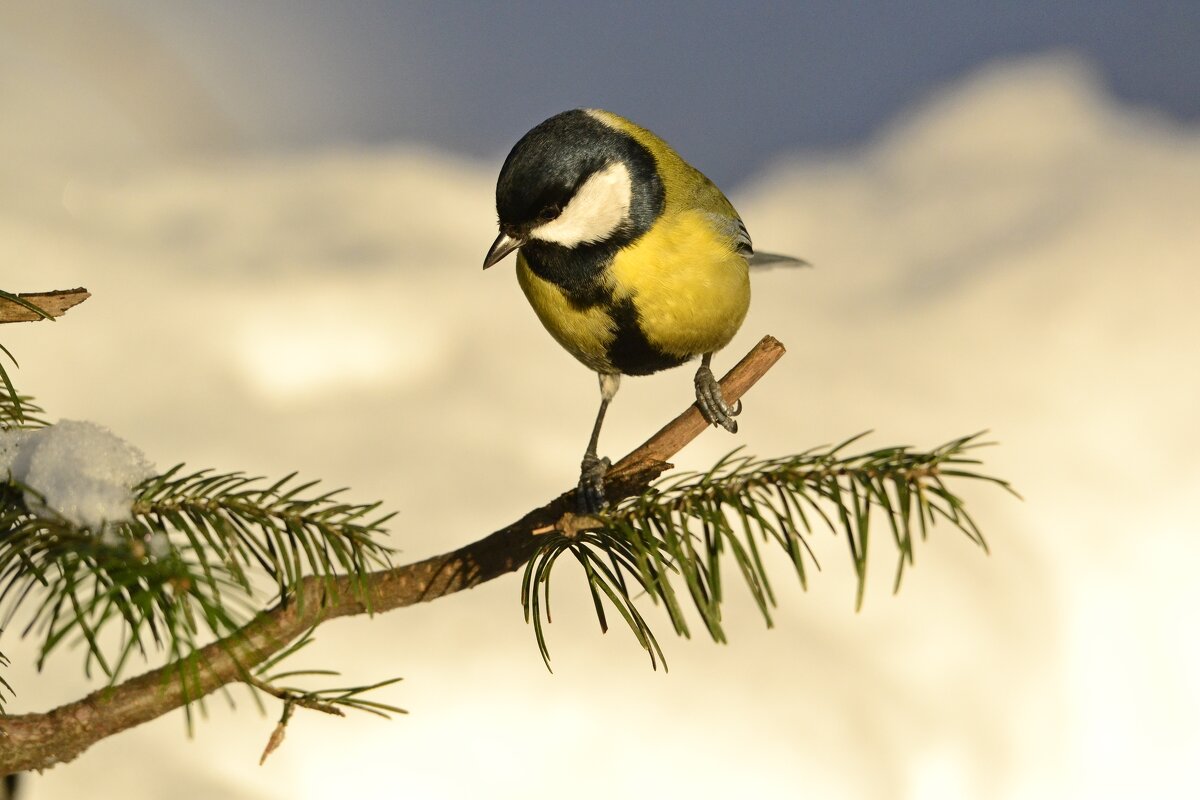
[575,181]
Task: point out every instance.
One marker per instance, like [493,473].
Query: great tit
[632,259]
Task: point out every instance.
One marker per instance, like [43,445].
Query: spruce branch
[684,528]
[186,567]
[41,740]
[190,564]
[18,410]
[329,700]
[678,531]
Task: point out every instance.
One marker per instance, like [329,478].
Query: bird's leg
[590,495]
[710,400]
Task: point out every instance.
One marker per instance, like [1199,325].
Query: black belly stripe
[580,275]
[630,351]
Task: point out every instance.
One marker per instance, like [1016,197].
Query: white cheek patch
[594,213]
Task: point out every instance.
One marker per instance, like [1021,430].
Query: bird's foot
[590,495]
[712,403]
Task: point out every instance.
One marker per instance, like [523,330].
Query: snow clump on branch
[79,471]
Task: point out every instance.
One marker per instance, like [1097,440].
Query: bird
[631,258]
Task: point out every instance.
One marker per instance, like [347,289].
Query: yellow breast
[690,287]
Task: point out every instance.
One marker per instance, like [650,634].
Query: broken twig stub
[52,304]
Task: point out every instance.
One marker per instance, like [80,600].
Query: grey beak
[503,245]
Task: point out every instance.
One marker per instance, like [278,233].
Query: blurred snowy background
[281,209]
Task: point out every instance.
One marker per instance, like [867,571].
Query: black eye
[549,212]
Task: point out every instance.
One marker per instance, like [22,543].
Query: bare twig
[41,740]
[277,734]
[54,304]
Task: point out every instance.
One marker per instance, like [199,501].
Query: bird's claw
[590,495]
[712,403]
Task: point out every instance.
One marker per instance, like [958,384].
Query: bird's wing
[733,228]
[726,220]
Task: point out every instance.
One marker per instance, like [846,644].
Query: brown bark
[41,740]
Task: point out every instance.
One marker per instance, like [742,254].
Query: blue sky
[731,85]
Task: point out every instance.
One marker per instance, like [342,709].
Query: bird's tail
[768,260]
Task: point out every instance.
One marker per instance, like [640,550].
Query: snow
[76,470]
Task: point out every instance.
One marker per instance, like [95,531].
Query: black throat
[578,271]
